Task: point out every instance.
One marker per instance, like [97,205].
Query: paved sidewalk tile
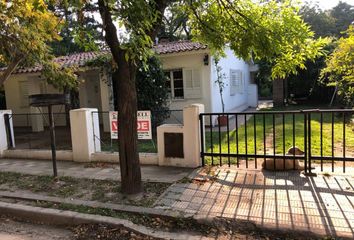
[282,200]
[82,170]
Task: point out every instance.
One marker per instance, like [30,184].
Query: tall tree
[175,23]
[141,20]
[340,68]
[320,21]
[271,30]
[343,14]
[268,29]
[81,31]
[253,29]
[26,27]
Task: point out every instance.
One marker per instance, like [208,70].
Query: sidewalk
[276,200]
[83,170]
[284,201]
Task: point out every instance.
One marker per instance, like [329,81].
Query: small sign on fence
[144,124]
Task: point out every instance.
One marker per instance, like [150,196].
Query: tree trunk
[127,127]
[9,70]
[124,80]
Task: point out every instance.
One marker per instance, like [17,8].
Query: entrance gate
[325,136]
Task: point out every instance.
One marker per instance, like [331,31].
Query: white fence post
[191,134]
[3,132]
[191,139]
[85,133]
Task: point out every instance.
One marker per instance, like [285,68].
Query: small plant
[220,77]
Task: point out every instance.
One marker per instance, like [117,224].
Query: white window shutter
[188,76]
[192,80]
[196,78]
[236,83]
[23,87]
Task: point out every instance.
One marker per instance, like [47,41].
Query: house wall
[92,93]
[15,99]
[240,100]
[89,90]
[190,60]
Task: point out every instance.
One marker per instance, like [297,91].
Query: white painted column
[36,120]
[85,132]
[3,133]
[106,99]
[37,123]
[191,135]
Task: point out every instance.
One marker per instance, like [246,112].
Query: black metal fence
[323,138]
[148,146]
[31,131]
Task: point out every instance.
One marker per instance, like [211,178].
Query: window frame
[172,83]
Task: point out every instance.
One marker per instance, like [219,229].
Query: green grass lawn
[144,146]
[255,144]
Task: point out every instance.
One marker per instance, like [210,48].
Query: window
[174,83]
[184,84]
[23,89]
[236,82]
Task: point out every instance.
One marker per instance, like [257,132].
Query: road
[14,230]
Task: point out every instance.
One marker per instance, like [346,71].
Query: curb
[94,204]
[70,218]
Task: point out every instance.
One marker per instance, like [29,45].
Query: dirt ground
[11,229]
[15,230]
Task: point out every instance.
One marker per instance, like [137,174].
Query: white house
[191,72]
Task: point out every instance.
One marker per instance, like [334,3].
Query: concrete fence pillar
[191,134]
[4,133]
[85,133]
[169,138]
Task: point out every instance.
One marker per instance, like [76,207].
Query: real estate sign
[144,124]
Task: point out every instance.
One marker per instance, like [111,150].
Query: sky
[327,4]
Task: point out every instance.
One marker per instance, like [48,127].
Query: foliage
[321,22]
[26,27]
[220,77]
[343,14]
[152,91]
[81,32]
[104,60]
[271,30]
[136,19]
[60,78]
[150,84]
[174,26]
[340,68]
[328,23]
[325,24]
[263,79]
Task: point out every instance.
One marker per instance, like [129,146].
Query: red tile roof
[178,46]
[80,59]
[76,59]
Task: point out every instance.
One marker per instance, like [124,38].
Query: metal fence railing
[316,137]
[150,146]
[31,131]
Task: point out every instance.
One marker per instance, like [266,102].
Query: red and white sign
[144,124]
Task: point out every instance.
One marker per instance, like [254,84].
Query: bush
[152,92]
